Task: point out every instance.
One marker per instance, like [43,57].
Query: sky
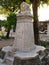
[43,13]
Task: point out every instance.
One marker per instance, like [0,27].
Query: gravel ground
[44,37]
[7,42]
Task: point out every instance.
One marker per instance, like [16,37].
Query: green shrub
[44,43]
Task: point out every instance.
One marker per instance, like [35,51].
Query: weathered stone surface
[30,61]
[24,36]
[24,40]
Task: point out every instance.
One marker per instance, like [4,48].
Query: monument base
[29,58]
[30,61]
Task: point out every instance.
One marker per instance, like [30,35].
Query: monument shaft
[24,39]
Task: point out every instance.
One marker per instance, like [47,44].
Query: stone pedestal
[27,51]
[24,36]
[27,61]
[32,57]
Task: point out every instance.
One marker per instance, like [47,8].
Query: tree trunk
[8,32]
[35,15]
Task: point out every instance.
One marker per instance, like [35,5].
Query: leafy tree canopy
[1,23]
[11,5]
[14,5]
[41,1]
[11,21]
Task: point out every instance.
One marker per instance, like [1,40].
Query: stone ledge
[31,61]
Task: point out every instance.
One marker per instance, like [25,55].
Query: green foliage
[11,21]
[8,6]
[1,23]
[44,43]
[14,5]
[11,5]
[28,1]
[40,2]
[2,33]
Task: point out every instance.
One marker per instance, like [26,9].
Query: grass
[44,43]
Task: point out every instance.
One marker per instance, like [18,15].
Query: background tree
[35,4]
[10,6]
[10,23]
[1,23]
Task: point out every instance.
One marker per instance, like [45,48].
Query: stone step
[4,64]
[1,60]
[9,60]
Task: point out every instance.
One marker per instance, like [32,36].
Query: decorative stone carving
[24,7]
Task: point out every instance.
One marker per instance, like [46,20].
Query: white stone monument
[24,36]
[24,46]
